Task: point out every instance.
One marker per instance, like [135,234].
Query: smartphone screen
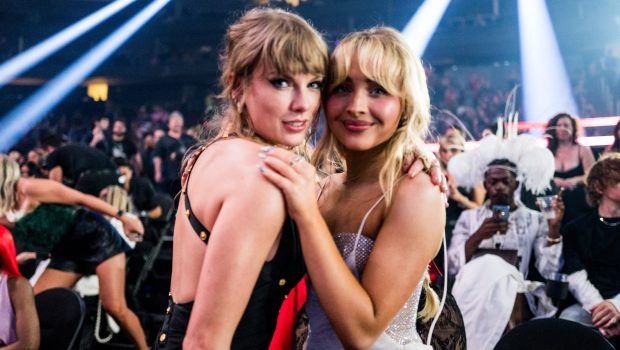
[501,212]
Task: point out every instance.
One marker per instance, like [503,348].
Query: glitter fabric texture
[402,329]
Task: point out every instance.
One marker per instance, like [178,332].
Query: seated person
[19,323]
[143,196]
[488,289]
[591,251]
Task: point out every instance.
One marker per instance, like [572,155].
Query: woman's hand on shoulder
[414,165]
[294,176]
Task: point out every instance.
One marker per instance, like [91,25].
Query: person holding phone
[520,228]
[501,224]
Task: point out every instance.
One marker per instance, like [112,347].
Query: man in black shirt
[84,168]
[168,155]
[119,145]
[592,252]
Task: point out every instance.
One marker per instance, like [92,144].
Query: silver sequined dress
[400,334]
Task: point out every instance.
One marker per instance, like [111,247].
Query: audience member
[459,198]
[615,146]
[140,190]
[502,227]
[44,218]
[146,154]
[119,145]
[19,323]
[168,155]
[100,132]
[81,167]
[591,250]
[572,162]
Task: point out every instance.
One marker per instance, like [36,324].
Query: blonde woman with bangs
[236,253]
[369,240]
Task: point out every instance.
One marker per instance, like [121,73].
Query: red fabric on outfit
[283,336]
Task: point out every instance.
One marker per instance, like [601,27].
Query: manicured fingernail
[262,156]
[266,148]
[261,169]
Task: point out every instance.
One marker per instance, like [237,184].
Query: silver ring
[293,162]
[614,320]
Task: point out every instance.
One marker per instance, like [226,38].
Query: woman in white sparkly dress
[366,278]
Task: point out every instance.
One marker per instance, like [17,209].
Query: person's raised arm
[409,238]
[246,228]
[47,191]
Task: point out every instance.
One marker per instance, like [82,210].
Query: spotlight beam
[15,66]
[21,119]
[546,87]
[423,24]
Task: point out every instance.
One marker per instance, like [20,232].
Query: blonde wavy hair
[9,175]
[264,38]
[385,58]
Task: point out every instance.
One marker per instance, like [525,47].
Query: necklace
[611,224]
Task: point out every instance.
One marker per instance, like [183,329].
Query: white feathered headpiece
[535,163]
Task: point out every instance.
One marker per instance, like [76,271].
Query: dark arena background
[89,72]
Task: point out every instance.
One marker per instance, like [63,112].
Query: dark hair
[504,162]
[615,147]
[52,140]
[552,132]
[121,161]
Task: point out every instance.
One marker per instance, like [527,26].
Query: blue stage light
[15,66]
[423,24]
[546,87]
[21,119]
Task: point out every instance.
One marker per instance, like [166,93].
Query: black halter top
[275,280]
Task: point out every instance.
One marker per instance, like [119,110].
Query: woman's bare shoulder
[417,195]
[234,163]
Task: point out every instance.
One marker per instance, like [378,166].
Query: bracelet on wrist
[554,240]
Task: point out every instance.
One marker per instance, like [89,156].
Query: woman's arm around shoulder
[26,319]
[245,230]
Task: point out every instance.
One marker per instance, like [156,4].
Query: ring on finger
[295,160]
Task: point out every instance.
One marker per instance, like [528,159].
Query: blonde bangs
[377,59]
[296,52]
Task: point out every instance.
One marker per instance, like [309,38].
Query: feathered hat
[534,163]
